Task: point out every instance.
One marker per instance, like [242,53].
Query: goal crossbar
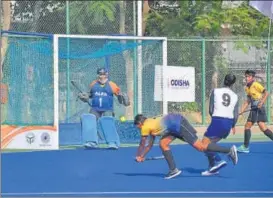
[110,37]
[138,38]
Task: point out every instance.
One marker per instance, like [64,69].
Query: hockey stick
[156,116]
[155,158]
[251,109]
[76,86]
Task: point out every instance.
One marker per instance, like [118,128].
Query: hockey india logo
[30,138]
[45,138]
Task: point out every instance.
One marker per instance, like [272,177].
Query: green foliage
[89,14]
[243,20]
[25,9]
[190,107]
[194,18]
[85,17]
[34,14]
[204,19]
[247,21]
[184,107]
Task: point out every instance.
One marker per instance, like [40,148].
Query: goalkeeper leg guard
[89,130]
[109,130]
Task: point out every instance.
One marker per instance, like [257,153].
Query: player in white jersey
[223,109]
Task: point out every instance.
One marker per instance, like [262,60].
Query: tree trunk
[225,32]
[127,55]
[129,112]
[6,26]
[36,15]
[214,79]
[145,12]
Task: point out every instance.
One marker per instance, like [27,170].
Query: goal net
[38,71]
[28,118]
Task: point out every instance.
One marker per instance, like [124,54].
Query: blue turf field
[114,173]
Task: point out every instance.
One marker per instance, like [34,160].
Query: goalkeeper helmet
[102,71]
[230,79]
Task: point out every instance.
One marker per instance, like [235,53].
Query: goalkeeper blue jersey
[102,96]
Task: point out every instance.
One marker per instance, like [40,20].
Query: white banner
[30,137]
[179,82]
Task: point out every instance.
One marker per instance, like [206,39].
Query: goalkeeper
[102,92]
[170,127]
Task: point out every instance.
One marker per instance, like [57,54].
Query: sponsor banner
[179,82]
[29,137]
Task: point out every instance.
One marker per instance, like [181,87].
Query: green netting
[28,72]
[80,58]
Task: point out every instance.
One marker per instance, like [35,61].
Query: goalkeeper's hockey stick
[76,86]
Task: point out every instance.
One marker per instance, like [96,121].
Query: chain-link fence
[29,64]
[74,17]
[213,59]
[120,58]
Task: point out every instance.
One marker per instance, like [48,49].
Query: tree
[108,17]
[242,20]
[204,19]
[94,17]
[145,14]
[30,16]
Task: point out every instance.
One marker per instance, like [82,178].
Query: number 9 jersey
[223,103]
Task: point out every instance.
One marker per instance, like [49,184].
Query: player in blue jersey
[223,109]
[102,92]
[170,127]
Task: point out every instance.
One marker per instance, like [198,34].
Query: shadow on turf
[98,148]
[195,172]
[199,171]
[141,174]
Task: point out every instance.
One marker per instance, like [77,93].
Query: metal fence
[70,17]
[213,59]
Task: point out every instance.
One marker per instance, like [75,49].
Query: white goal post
[43,66]
[128,38]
